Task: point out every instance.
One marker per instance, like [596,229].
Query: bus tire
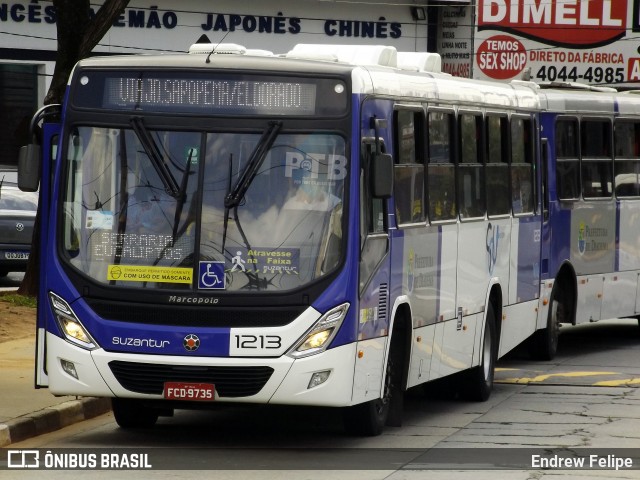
[369,418]
[132,413]
[543,344]
[478,381]
[366,419]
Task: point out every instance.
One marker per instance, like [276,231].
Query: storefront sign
[147,25]
[455,39]
[593,42]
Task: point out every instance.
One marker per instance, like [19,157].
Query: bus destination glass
[200,94]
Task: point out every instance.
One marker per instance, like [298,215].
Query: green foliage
[19,300]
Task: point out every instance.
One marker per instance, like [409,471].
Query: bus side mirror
[29,161]
[381,175]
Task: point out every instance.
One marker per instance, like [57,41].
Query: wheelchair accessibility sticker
[211,276]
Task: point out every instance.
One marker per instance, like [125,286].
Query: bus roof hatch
[222,48]
[420,61]
[354,54]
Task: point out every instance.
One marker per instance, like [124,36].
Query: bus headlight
[319,336]
[72,328]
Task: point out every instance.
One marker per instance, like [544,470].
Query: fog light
[319,378]
[69,367]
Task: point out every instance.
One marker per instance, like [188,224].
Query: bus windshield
[150,208]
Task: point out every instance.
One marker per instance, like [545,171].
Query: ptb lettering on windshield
[332,167]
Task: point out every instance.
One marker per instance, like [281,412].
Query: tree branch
[77,37]
[101,24]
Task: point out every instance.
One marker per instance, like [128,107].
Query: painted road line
[590,378]
[627,382]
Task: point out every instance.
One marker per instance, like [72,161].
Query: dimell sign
[574,23]
[591,42]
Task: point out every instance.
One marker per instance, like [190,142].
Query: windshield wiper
[236,194]
[182,195]
[153,152]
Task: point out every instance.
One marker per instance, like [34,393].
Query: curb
[52,418]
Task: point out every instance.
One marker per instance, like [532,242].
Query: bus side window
[568,162]
[522,180]
[627,158]
[597,164]
[409,169]
[441,180]
[471,185]
[497,170]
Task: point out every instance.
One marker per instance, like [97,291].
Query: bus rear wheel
[478,381]
[543,345]
[132,413]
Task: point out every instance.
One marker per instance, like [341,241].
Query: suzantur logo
[566,23]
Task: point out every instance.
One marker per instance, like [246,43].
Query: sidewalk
[25,411]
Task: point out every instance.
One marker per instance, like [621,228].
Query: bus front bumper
[88,373]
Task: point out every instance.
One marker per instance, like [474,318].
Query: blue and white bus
[327,227]
[590,260]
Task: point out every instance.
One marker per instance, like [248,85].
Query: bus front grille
[195,316]
[230,382]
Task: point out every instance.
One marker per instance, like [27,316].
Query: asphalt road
[584,403]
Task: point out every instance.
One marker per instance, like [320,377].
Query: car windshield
[8,177]
[14,199]
[151,209]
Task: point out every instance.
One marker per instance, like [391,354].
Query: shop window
[18,103]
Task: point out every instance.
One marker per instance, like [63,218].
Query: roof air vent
[354,54]
[420,61]
[222,48]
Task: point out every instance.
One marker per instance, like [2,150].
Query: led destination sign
[208,93]
[248,96]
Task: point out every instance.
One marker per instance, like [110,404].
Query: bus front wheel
[370,418]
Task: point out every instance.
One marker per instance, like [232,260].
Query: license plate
[16,255]
[200,392]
